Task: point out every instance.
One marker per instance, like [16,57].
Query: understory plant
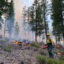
[7,48]
[43,60]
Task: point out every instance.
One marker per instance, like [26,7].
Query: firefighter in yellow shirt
[50,45]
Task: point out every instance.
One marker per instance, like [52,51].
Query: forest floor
[15,54]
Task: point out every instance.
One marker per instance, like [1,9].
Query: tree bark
[63,36]
[35,37]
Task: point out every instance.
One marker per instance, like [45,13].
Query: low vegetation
[61,57]
[43,60]
[51,61]
[7,48]
[35,45]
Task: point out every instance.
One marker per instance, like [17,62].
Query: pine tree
[57,17]
[4,7]
[36,19]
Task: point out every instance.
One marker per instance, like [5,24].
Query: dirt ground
[19,55]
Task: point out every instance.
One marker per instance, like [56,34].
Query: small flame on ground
[21,43]
[15,42]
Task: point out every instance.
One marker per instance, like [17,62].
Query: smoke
[18,8]
[10,25]
[24,29]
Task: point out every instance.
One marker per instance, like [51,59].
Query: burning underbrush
[20,43]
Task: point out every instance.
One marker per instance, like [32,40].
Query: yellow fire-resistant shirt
[49,41]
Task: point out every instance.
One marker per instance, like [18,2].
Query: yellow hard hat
[48,34]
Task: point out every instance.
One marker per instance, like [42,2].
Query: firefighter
[50,45]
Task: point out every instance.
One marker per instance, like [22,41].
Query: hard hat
[48,34]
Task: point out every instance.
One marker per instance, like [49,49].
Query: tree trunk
[35,37]
[63,36]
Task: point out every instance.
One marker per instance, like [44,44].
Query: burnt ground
[20,55]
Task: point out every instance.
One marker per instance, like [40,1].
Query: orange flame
[15,42]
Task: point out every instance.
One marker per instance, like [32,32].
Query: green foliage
[35,45]
[41,59]
[57,17]
[7,48]
[3,7]
[60,62]
[61,57]
[11,8]
[36,21]
[6,7]
[52,61]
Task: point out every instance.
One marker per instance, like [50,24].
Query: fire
[20,43]
[16,43]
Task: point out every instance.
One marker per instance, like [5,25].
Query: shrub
[51,61]
[7,48]
[60,62]
[61,57]
[54,61]
[41,59]
[35,45]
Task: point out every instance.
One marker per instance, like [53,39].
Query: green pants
[50,47]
